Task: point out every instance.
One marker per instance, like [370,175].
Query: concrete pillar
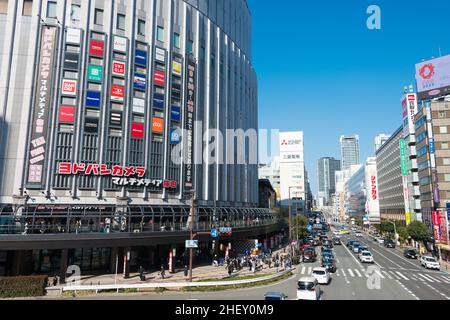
[63,266]
[126,262]
[112,260]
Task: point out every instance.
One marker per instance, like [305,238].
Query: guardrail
[117,287]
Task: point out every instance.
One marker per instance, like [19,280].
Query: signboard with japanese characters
[38,144]
[189,124]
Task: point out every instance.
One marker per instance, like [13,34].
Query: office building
[349,151]
[271,172]
[326,169]
[380,140]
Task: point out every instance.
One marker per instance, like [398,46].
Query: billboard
[140,81]
[291,142]
[137,130]
[175,113]
[433,77]
[118,68]
[73,36]
[141,57]
[437,225]
[117,93]
[191,96]
[160,55]
[39,126]
[373,202]
[175,137]
[66,114]
[138,106]
[95,73]
[176,68]
[160,78]
[158,101]
[93,99]
[69,87]
[120,44]
[71,60]
[158,125]
[96,48]
[409,110]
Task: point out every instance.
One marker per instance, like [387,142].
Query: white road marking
[407,290]
[387,274]
[437,291]
[425,277]
[435,279]
[351,273]
[379,273]
[401,275]
[395,275]
[393,262]
[343,273]
[303,270]
[446,280]
[309,270]
[357,273]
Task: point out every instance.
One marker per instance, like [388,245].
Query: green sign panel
[95,73]
[403,158]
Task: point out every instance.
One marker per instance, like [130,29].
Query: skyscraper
[326,168]
[349,151]
[380,140]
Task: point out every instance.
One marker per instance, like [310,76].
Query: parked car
[366,257]
[308,289]
[410,254]
[275,296]
[389,243]
[430,262]
[321,275]
[309,255]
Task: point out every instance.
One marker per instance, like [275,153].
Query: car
[329,264]
[389,243]
[379,240]
[350,243]
[327,243]
[275,296]
[309,255]
[337,242]
[366,257]
[308,288]
[355,246]
[362,248]
[321,275]
[410,254]
[305,246]
[430,262]
[358,234]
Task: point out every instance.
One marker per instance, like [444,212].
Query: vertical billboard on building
[404,166]
[409,110]
[437,226]
[432,78]
[38,144]
[189,124]
[373,202]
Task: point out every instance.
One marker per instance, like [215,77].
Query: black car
[410,254]
[389,244]
[337,241]
[275,296]
[309,255]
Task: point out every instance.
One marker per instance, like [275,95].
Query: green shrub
[296,260]
[23,286]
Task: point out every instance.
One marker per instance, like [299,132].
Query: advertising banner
[39,126]
[433,77]
[160,55]
[175,137]
[189,124]
[138,106]
[71,61]
[118,68]
[403,158]
[69,87]
[137,130]
[437,225]
[117,93]
[175,113]
[160,78]
[73,36]
[158,101]
[91,125]
[158,125]
[96,48]
[176,68]
[66,114]
[120,44]
[116,119]
[140,81]
[95,73]
[141,57]
[93,99]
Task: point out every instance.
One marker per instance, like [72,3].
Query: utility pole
[191,229]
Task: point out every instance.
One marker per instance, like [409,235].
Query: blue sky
[322,71]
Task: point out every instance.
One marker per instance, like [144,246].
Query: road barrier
[117,287]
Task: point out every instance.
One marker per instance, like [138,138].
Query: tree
[403,234]
[302,222]
[418,231]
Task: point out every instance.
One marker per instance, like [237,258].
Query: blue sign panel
[175,136]
[140,81]
[214,233]
[432,148]
[93,99]
[175,113]
[158,101]
[141,57]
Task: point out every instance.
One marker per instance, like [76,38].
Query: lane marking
[407,290]
[303,270]
[437,291]
[309,270]
[446,280]
[401,275]
[351,273]
[379,273]
[393,262]
[357,273]
[425,277]
[435,279]
[343,273]
[387,274]
[395,275]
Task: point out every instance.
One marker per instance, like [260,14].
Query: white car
[308,289]
[430,263]
[358,234]
[321,275]
[365,257]
[380,240]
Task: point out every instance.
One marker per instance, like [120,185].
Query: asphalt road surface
[391,277]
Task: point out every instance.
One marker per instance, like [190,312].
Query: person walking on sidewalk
[163,272]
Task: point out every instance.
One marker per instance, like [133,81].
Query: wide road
[392,277]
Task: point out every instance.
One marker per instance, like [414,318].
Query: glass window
[441,114]
[98,17]
[51,9]
[443,129]
[121,21]
[447,177]
[176,40]
[75,12]
[190,47]
[446,161]
[141,27]
[444,145]
[27,7]
[3,6]
[160,34]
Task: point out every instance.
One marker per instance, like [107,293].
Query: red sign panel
[436,218]
[117,93]
[137,130]
[160,78]
[118,68]
[374,188]
[66,114]
[96,48]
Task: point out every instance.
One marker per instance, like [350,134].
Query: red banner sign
[160,78]
[117,93]
[137,130]
[96,48]
[66,114]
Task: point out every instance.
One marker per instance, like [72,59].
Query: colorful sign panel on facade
[137,130]
[38,144]
[117,93]
[141,57]
[120,44]
[432,77]
[175,136]
[140,81]
[73,36]
[436,216]
[176,68]
[93,99]
[160,78]
[118,68]
[95,73]
[175,113]
[158,101]
[69,87]
[158,125]
[96,48]
[66,114]
[189,124]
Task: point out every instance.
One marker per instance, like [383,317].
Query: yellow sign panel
[176,68]
[408,218]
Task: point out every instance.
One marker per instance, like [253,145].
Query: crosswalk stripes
[380,274]
[435,278]
[387,274]
[351,273]
[401,275]
[309,270]
[303,270]
[343,273]
[425,277]
[446,280]
[357,273]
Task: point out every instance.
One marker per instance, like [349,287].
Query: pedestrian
[55,281]
[163,272]
[91,225]
[270,263]
[186,270]
[277,265]
[230,270]
[141,273]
